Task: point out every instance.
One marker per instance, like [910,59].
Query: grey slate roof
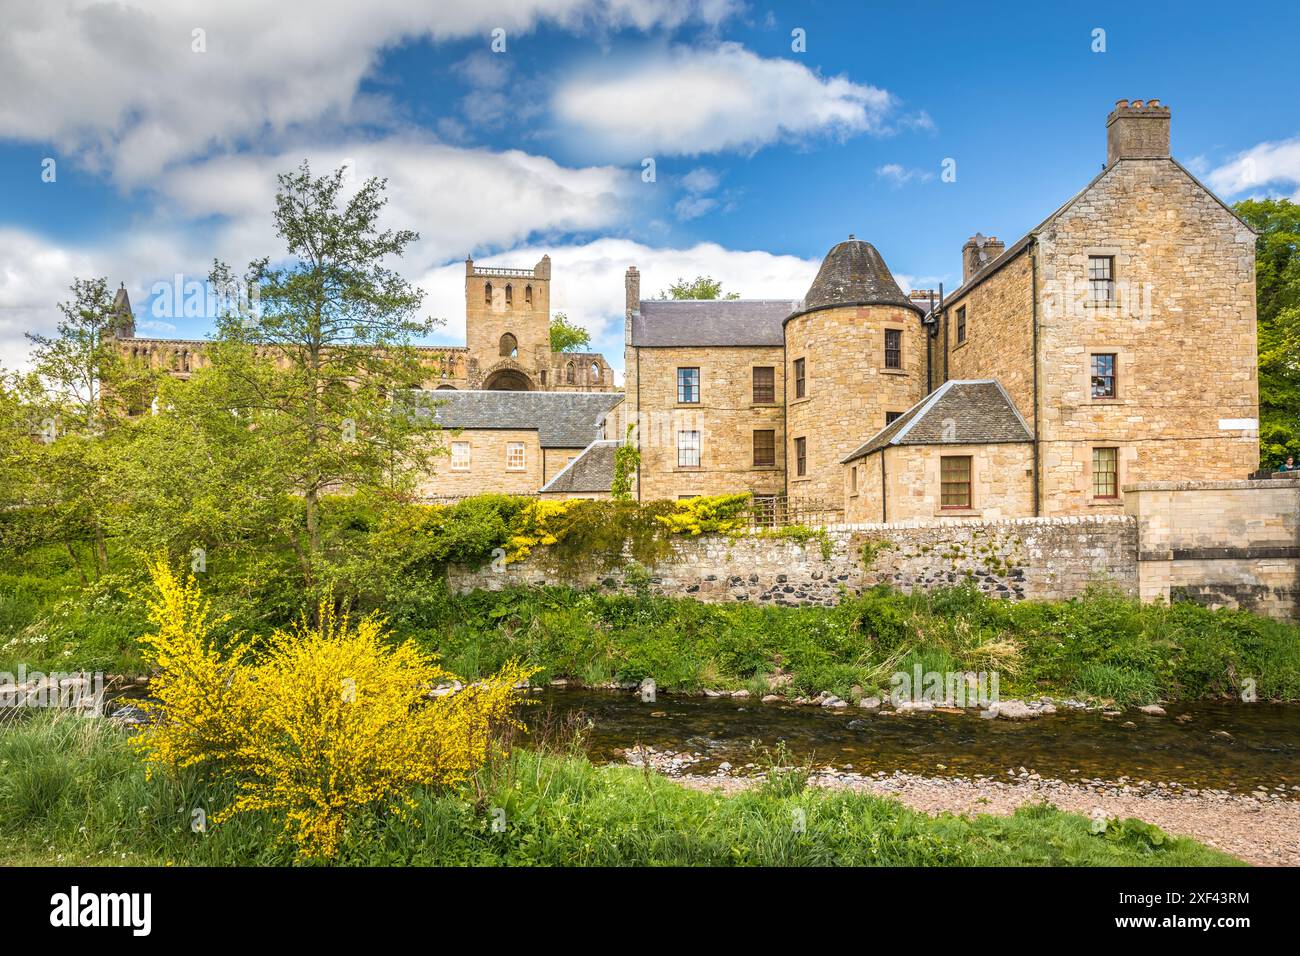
[959,412]
[685,322]
[593,470]
[854,273]
[561,419]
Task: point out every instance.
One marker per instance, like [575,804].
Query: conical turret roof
[854,273]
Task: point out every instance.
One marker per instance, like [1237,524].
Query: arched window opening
[528,296]
[487,293]
[509,346]
[568,373]
[510,295]
[595,371]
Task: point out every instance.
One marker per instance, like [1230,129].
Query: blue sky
[167,122]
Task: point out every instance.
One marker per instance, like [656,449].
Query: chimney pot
[1121,104]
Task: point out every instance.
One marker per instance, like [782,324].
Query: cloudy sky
[139,139]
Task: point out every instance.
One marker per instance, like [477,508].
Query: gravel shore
[1262,828]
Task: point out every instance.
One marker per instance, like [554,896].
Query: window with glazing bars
[688,449]
[1105,472]
[893,348]
[954,478]
[1103,376]
[688,386]
[801,456]
[1101,278]
[764,448]
[799,378]
[764,385]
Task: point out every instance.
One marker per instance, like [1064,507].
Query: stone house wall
[726,416]
[848,388]
[999,335]
[1183,330]
[487,473]
[1002,484]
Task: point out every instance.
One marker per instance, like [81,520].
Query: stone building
[1122,326]
[1113,344]
[507,332]
[516,443]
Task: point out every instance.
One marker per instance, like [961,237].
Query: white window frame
[460,462]
[689,441]
[511,448]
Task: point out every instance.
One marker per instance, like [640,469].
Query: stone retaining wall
[1037,558]
[1220,543]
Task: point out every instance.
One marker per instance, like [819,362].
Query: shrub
[716,514]
[328,720]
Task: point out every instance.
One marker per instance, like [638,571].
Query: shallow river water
[1261,747]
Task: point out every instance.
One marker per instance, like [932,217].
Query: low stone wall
[1220,543]
[1042,558]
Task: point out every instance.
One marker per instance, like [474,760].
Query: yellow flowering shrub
[715,514]
[329,719]
[536,526]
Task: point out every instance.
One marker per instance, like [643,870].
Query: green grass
[72,791]
[1102,645]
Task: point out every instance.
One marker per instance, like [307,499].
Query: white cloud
[692,101]
[701,180]
[120,85]
[1261,165]
[901,175]
[692,207]
[459,200]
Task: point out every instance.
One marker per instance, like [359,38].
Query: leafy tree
[703,287]
[1277,271]
[77,400]
[317,358]
[567,337]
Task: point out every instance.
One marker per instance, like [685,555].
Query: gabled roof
[664,323]
[593,470]
[1023,242]
[854,273]
[959,412]
[561,419]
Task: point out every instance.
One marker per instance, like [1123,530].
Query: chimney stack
[632,290]
[1137,130]
[977,253]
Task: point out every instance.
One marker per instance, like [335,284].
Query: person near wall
[1289,464]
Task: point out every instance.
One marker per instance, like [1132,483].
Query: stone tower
[854,353]
[508,326]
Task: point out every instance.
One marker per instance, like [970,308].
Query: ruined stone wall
[1029,558]
[1221,544]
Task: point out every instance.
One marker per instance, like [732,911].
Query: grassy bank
[73,792]
[1102,645]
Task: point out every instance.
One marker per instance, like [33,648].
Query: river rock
[1152,710]
[869,703]
[771,698]
[913,706]
[1013,710]
[834,702]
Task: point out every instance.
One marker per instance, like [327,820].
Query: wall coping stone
[1041,522]
[1238,485]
